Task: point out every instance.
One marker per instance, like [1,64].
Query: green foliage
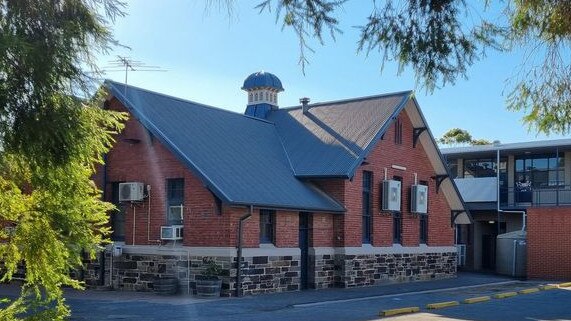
[212,269]
[543,90]
[440,39]
[50,142]
[308,18]
[455,136]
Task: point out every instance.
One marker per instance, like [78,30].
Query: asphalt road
[336,304]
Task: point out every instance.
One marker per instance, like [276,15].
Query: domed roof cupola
[263,88]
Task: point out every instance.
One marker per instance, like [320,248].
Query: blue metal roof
[262,79]
[240,158]
[332,139]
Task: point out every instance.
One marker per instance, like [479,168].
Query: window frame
[398,132]
[367,207]
[171,187]
[267,226]
[397,215]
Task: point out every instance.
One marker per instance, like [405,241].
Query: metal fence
[529,196]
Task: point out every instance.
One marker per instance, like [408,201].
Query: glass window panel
[540,179]
[519,165]
[540,164]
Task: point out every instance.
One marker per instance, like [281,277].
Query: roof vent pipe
[304,101]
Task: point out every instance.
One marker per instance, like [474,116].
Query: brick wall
[549,243]
[348,231]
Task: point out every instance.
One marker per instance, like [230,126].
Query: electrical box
[391,195]
[419,199]
[176,213]
[131,192]
[171,232]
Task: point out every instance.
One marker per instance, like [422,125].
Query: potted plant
[208,284]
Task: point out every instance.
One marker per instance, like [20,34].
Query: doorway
[304,222]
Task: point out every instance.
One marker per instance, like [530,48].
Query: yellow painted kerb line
[477,299]
[386,313]
[441,305]
[565,285]
[548,287]
[505,295]
[528,291]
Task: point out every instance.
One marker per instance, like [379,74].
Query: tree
[441,39]
[456,136]
[50,140]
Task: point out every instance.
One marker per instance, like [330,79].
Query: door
[488,252]
[304,247]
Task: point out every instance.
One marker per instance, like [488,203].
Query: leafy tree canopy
[457,136]
[440,39]
[50,141]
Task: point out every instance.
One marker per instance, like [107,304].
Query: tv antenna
[126,64]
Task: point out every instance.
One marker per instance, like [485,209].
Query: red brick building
[346,193]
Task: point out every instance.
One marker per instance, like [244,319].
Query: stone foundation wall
[371,269]
[324,271]
[265,274]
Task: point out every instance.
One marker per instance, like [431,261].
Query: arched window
[267,96]
[256,97]
[250,97]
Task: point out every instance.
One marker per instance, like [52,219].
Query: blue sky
[208,55]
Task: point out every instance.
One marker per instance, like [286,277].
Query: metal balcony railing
[530,196]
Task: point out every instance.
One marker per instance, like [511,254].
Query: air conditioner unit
[131,192]
[419,199]
[391,195]
[171,232]
[176,213]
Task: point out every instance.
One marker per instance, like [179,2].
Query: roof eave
[351,172]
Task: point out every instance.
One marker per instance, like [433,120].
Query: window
[267,226]
[267,96]
[250,97]
[453,167]
[483,167]
[397,219]
[539,171]
[175,197]
[117,219]
[397,228]
[423,229]
[398,132]
[367,219]
[256,97]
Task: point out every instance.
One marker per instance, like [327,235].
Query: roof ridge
[348,100]
[183,100]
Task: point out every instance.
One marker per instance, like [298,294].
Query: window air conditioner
[419,199]
[176,213]
[391,195]
[131,192]
[171,232]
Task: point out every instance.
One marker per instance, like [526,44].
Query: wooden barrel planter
[165,285]
[208,288]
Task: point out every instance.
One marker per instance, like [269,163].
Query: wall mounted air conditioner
[171,232]
[419,199]
[131,192]
[176,213]
[391,195]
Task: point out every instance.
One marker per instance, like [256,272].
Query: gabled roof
[331,139]
[249,161]
[239,158]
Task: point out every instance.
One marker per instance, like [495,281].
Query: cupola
[262,88]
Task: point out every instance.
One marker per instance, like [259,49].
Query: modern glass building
[499,183]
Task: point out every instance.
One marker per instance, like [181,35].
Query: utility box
[511,254]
